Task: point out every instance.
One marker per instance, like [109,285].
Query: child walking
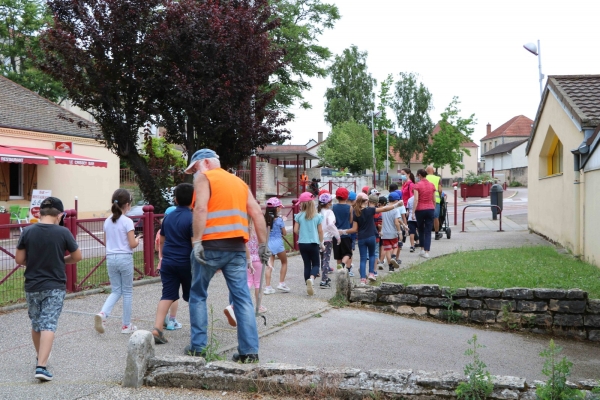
[170,322]
[329,232]
[275,222]
[41,249]
[120,241]
[342,247]
[310,238]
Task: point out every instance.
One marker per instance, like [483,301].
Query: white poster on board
[37,196]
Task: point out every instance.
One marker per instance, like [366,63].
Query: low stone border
[347,383]
[556,311]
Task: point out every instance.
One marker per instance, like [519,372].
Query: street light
[536,50]
[373,116]
[387,154]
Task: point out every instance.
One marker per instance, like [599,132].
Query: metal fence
[91,271]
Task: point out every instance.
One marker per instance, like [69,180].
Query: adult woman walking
[423,210]
[364,224]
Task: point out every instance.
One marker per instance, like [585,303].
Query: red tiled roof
[516,126]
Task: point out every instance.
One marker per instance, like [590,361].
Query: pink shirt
[426,191]
[407,191]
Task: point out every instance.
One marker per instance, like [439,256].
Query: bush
[515,184]
[472,178]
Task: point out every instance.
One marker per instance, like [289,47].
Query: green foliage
[348,146]
[479,381]
[302,23]
[515,184]
[211,352]
[339,301]
[383,124]
[528,266]
[351,96]
[508,319]
[412,103]
[20,22]
[445,147]
[556,387]
[451,314]
[472,178]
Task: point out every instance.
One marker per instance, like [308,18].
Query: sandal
[160,338]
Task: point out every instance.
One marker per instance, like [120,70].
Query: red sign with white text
[65,147]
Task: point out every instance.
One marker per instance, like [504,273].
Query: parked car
[135,214]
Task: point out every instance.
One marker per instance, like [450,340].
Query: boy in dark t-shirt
[41,249]
[176,244]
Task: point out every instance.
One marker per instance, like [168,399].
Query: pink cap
[274,202]
[362,195]
[306,196]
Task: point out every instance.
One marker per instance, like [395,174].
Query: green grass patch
[530,267]
[290,238]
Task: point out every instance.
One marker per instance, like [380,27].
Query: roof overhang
[286,153]
[59,157]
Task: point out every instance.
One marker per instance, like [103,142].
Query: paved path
[88,365]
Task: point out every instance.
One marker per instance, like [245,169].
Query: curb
[88,292]
[278,328]
[516,193]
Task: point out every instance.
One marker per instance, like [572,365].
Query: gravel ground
[86,364]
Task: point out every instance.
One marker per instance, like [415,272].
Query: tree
[445,147]
[383,124]
[302,22]
[211,87]
[20,22]
[351,96]
[412,103]
[348,146]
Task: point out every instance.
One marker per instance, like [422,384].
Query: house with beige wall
[564,165]
[43,146]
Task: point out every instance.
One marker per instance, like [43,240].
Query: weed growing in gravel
[339,301]
[287,321]
[212,348]
[452,315]
[508,319]
[479,381]
[557,373]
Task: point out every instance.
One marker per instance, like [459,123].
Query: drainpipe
[576,204]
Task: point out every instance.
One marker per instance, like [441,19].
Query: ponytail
[120,199]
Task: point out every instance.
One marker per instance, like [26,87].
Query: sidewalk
[86,364]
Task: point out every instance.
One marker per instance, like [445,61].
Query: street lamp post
[536,50]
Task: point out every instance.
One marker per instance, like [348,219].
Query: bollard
[455,204]
[148,248]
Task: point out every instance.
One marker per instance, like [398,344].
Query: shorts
[412,227]
[436,213]
[44,308]
[172,277]
[254,279]
[276,246]
[342,249]
[390,244]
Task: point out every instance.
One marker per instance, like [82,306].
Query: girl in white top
[120,241]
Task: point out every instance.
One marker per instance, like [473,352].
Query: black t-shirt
[366,223]
[45,246]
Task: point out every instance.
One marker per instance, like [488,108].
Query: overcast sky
[470,49]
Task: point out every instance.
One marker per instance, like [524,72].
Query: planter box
[477,190]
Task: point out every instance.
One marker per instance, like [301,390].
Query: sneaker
[372,277]
[262,309]
[391,267]
[100,322]
[438,236]
[350,273]
[128,328]
[283,287]
[245,358]
[363,282]
[188,351]
[394,263]
[309,287]
[393,256]
[425,255]
[325,284]
[412,249]
[380,265]
[422,252]
[375,273]
[43,374]
[329,270]
[269,290]
[230,315]
[173,324]
[340,266]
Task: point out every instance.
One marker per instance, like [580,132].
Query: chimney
[320,137]
[489,129]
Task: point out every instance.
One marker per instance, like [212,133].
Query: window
[15,181]
[484,148]
[551,155]
[495,143]
[555,158]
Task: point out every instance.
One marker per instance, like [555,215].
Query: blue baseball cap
[351,196]
[170,210]
[394,196]
[200,155]
[399,193]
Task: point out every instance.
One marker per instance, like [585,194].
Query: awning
[9,155]
[61,158]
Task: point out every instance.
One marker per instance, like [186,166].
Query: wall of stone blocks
[561,312]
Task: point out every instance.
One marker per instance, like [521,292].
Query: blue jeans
[364,246]
[120,273]
[425,224]
[233,266]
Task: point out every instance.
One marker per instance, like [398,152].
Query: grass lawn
[530,267]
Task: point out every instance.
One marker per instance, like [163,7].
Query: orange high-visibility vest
[227,213]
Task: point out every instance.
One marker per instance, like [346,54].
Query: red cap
[342,193]
[365,190]
[323,191]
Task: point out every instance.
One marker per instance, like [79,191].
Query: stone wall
[557,311]
[345,383]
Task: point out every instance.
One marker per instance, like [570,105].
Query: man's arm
[254,211]
[202,189]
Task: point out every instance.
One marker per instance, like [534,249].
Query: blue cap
[399,193]
[170,210]
[351,196]
[394,196]
[200,155]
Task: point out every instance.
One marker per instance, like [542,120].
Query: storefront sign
[37,196]
[65,147]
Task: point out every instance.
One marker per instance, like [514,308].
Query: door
[15,181]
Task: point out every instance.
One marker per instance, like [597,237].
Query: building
[45,147]
[515,129]
[564,165]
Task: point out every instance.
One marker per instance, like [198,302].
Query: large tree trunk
[146,182]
